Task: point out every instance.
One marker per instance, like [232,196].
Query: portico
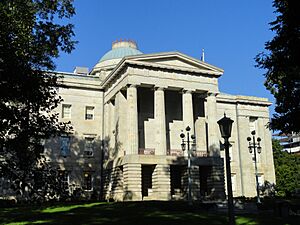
[149,106]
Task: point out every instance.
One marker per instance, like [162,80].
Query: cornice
[134,61]
[71,80]
[162,55]
[241,99]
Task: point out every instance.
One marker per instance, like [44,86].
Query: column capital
[131,85]
[159,88]
[188,91]
[212,94]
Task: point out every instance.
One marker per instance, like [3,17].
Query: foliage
[30,37]
[282,64]
[287,170]
[268,189]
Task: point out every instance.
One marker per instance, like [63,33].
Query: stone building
[128,113]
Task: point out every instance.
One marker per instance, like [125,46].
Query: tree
[282,64]
[30,38]
[287,170]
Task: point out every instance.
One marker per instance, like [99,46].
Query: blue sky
[232,32]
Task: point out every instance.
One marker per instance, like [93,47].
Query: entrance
[147,172]
[176,173]
[204,172]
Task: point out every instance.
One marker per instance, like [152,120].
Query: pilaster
[200,132]
[106,120]
[111,128]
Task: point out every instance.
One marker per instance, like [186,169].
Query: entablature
[194,68]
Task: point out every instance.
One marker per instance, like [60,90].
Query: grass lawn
[131,213]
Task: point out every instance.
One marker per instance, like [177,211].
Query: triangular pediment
[177,60]
[172,61]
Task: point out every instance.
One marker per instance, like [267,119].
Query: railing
[175,152]
[179,152]
[172,152]
[146,151]
[200,154]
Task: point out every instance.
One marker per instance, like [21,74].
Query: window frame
[92,108]
[68,152]
[85,183]
[65,174]
[63,114]
[90,148]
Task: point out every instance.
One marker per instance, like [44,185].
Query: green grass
[131,213]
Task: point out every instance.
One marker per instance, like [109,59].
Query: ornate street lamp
[190,142]
[225,125]
[255,147]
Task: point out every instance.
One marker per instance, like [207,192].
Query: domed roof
[121,49]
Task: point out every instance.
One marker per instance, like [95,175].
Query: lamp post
[255,146]
[225,125]
[190,140]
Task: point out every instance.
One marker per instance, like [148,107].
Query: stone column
[121,124]
[132,114]
[188,115]
[213,129]
[187,106]
[162,182]
[132,182]
[160,119]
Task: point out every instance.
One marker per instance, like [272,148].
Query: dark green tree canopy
[287,170]
[282,63]
[30,38]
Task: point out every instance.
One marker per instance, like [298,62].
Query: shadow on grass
[132,213]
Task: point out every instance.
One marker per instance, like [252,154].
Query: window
[89,146]
[65,145]
[64,180]
[87,186]
[66,111]
[89,112]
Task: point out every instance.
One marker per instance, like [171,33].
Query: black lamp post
[255,146]
[225,125]
[190,140]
